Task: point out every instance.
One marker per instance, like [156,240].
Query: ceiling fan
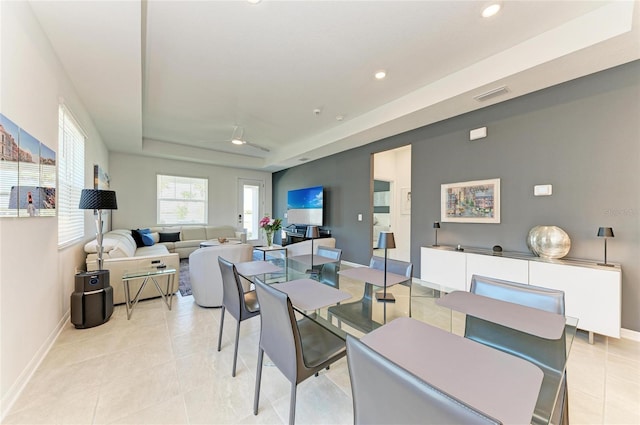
[237,138]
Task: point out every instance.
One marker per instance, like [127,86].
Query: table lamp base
[385,298]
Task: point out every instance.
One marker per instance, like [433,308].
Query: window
[182,200]
[70,178]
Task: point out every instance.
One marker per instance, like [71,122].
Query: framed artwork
[28,174]
[475,201]
[100,178]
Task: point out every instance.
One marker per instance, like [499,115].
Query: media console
[592,292]
[298,234]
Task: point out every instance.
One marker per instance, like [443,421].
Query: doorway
[391,196]
[251,202]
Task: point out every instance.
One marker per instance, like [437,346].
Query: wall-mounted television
[305,206]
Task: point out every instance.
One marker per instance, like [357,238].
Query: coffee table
[215,242]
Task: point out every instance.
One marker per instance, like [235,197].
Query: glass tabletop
[362,313]
[150,271]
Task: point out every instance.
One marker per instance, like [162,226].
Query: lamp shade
[95,199]
[605,232]
[386,240]
[436,225]
[313,232]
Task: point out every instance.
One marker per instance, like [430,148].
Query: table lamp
[312,233]
[386,241]
[436,226]
[605,232]
[98,200]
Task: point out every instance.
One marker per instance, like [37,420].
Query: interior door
[251,202]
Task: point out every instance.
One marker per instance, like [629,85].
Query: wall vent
[499,91]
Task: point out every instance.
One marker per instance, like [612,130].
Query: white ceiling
[172,78]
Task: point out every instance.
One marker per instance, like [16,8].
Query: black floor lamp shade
[95,199]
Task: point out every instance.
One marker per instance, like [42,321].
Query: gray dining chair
[240,304]
[549,355]
[358,314]
[298,348]
[328,273]
[385,393]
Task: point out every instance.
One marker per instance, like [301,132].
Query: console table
[592,292]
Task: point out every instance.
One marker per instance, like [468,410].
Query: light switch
[359,217]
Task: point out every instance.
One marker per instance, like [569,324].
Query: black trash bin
[92,300]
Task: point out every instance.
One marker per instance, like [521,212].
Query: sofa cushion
[193,233]
[152,250]
[169,237]
[115,244]
[188,244]
[137,237]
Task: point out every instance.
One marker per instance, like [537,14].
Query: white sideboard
[592,292]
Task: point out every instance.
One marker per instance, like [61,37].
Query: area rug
[185,283]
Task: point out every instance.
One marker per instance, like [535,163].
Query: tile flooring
[162,367]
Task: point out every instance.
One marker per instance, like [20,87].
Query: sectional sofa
[121,253]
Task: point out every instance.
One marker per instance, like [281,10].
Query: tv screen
[304,206]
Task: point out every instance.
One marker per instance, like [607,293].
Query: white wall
[36,279]
[395,166]
[134,180]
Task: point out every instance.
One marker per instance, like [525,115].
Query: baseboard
[9,399]
[629,334]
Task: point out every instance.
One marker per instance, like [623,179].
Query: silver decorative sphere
[548,241]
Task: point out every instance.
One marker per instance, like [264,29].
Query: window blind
[71,142]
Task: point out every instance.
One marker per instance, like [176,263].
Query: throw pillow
[147,239]
[137,237]
[170,237]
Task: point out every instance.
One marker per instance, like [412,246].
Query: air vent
[499,91]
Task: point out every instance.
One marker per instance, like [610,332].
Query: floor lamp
[386,241]
[98,200]
[312,233]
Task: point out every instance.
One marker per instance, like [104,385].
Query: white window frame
[163,219]
[71,146]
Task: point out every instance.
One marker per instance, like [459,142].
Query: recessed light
[238,142]
[381,74]
[491,10]
[254,1]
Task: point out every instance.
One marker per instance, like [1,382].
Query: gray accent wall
[582,137]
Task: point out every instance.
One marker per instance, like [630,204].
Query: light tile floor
[162,367]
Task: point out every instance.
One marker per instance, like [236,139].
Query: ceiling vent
[499,91]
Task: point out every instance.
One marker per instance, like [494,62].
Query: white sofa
[204,272]
[121,255]
[192,236]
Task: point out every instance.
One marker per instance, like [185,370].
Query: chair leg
[221,326]
[292,404]
[256,397]
[235,351]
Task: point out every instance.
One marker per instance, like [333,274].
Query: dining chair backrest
[327,252]
[549,355]
[232,291]
[385,393]
[402,268]
[278,333]
[550,300]
[329,271]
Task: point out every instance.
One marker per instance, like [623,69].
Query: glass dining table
[360,314]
